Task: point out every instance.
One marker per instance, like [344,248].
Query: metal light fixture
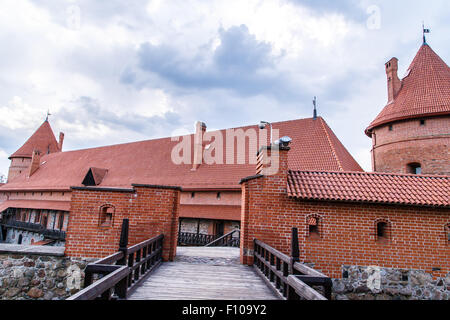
[263,125]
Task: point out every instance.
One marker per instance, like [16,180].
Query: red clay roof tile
[43,140]
[314,147]
[425,91]
[370,187]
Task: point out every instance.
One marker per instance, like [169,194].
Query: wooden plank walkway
[204,273]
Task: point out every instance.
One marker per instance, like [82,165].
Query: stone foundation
[376,283]
[35,276]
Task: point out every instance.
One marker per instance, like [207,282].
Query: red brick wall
[409,142]
[150,210]
[417,236]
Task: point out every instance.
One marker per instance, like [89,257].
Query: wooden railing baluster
[286,276]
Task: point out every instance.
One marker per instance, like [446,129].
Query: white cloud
[46,64]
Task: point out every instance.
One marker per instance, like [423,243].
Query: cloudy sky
[119,71]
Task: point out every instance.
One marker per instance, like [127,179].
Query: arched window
[106,217]
[414,168]
[314,225]
[382,230]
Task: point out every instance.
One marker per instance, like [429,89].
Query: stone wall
[375,283]
[28,275]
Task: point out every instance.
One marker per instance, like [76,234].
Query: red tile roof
[43,140]
[424,190]
[425,91]
[314,147]
[36,204]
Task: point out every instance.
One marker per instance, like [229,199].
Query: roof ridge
[331,145]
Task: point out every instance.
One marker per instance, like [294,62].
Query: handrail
[101,286]
[195,239]
[54,234]
[228,235]
[288,278]
[122,272]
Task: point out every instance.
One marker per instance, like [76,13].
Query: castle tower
[412,133]
[43,140]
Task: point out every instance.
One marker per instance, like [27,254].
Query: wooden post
[123,243]
[295,252]
[122,286]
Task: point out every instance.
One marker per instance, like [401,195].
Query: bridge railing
[227,240]
[122,272]
[194,239]
[286,276]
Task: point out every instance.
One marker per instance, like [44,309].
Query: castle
[395,217]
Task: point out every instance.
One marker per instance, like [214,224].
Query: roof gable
[425,90]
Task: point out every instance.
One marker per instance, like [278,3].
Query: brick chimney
[393,82]
[35,162]
[273,160]
[200,129]
[61,140]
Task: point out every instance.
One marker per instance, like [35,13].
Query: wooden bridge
[204,273]
[201,273]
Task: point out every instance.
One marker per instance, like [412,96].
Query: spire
[424,91]
[43,140]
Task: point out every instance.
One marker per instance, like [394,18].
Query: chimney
[393,82]
[61,140]
[200,129]
[273,160]
[35,162]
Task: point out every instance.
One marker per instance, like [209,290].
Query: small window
[414,168]
[192,194]
[313,227]
[382,230]
[391,127]
[447,231]
[106,216]
[218,195]
[422,122]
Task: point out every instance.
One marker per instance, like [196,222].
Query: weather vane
[315,110]
[424,31]
[48,114]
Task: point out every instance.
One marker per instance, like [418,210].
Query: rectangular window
[61,221]
[37,217]
[313,227]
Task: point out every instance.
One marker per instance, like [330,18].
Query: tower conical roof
[43,140]
[425,90]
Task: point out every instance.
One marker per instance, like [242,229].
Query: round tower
[412,132]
